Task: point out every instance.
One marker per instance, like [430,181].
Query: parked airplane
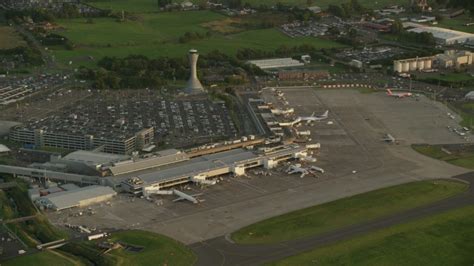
[184,196]
[307,119]
[314,118]
[389,138]
[297,169]
[398,94]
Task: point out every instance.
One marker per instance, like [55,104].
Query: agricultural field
[10,38]
[463,157]
[348,211]
[443,239]
[156,250]
[156,35]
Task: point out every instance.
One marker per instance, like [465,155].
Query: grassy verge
[348,211]
[42,258]
[461,157]
[444,239]
[157,250]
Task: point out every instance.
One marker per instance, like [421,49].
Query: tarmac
[221,251]
[352,143]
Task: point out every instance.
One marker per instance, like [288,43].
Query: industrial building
[448,59]
[80,197]
[276,63]
[452,58]
[413,64]
[445,36]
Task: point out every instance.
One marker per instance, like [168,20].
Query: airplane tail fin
[389,92]
[313,113]
[326,113]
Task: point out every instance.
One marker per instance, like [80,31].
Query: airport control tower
[194,85]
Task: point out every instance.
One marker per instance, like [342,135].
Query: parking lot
[352,153]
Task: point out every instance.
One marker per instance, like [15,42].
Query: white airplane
[184,196]
[389,138]
[398,94]
[297,169]
[307,119]
[314,118]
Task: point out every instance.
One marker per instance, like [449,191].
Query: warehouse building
[446,36]
[276,63]
[80,197]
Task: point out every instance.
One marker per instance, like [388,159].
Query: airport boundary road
[221,251]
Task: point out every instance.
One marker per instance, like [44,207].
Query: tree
[397,27]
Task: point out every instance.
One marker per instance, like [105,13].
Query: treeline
[67,10]
[192,36]
[345,10]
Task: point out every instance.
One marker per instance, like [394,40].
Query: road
[221,251]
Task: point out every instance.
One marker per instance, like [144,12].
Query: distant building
[4,150]
[376,26]
[314,9]
[445,36]
[356,63]
[469,95]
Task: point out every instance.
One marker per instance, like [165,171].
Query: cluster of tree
[31,57]
[346,9]
[137,71]
[164,3]
[425,38]
[192,36]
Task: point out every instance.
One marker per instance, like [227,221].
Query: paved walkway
[220,251]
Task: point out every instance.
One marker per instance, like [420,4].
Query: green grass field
[348,211]
[444,239]
[137,6]
[458,24]
[43,258]
[158,250]
[156,35]
[464,159]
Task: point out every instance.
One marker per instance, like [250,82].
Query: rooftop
[94,158]
[73,198]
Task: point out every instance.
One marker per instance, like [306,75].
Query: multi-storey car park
[128,124]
